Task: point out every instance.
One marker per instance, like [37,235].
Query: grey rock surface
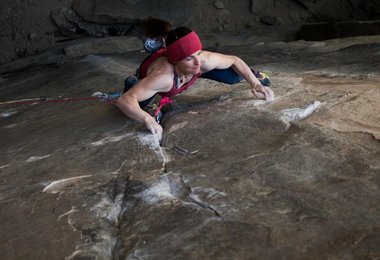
[34,26]
[70,23]
[111,11]
[110,45]
[232,178]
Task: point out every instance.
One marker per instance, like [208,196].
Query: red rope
[49,100]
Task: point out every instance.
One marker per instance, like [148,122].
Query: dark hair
[155,27]
[177,33]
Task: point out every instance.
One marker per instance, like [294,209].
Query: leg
[129,82]
[229,76]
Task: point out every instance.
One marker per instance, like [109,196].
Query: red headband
[183,47]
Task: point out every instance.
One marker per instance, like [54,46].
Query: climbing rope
[107,97]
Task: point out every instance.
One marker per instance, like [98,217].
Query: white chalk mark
[9,113]
[4,166]
[109,209]
[177,126]
[37,158]
[153,143]
[157,193]
[58,186]
[68,213]
[211,192]
[294,114]
[110,139]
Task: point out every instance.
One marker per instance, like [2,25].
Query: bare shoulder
[209,55]
[215,60]
[160,76]
[160,66]
[206,55]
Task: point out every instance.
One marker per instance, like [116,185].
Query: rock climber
[174,67]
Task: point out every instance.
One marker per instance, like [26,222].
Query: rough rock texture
[111,11]
[233,178]
[342,10]
[26,27]
[69,23]
[110,45]
[29,27]
[332,30]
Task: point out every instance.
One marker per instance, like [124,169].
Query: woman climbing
[174,68]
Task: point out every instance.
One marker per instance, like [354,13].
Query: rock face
[327,10]
[33,26]
[325,31]
[111,45]
[233,178]
[111,11]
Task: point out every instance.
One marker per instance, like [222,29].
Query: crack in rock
[172,187]
[153,144]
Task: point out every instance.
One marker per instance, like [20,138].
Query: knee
[234,79]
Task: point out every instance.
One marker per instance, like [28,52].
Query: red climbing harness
[164,101]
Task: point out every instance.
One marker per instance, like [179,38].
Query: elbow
[236,60]
[124,103]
